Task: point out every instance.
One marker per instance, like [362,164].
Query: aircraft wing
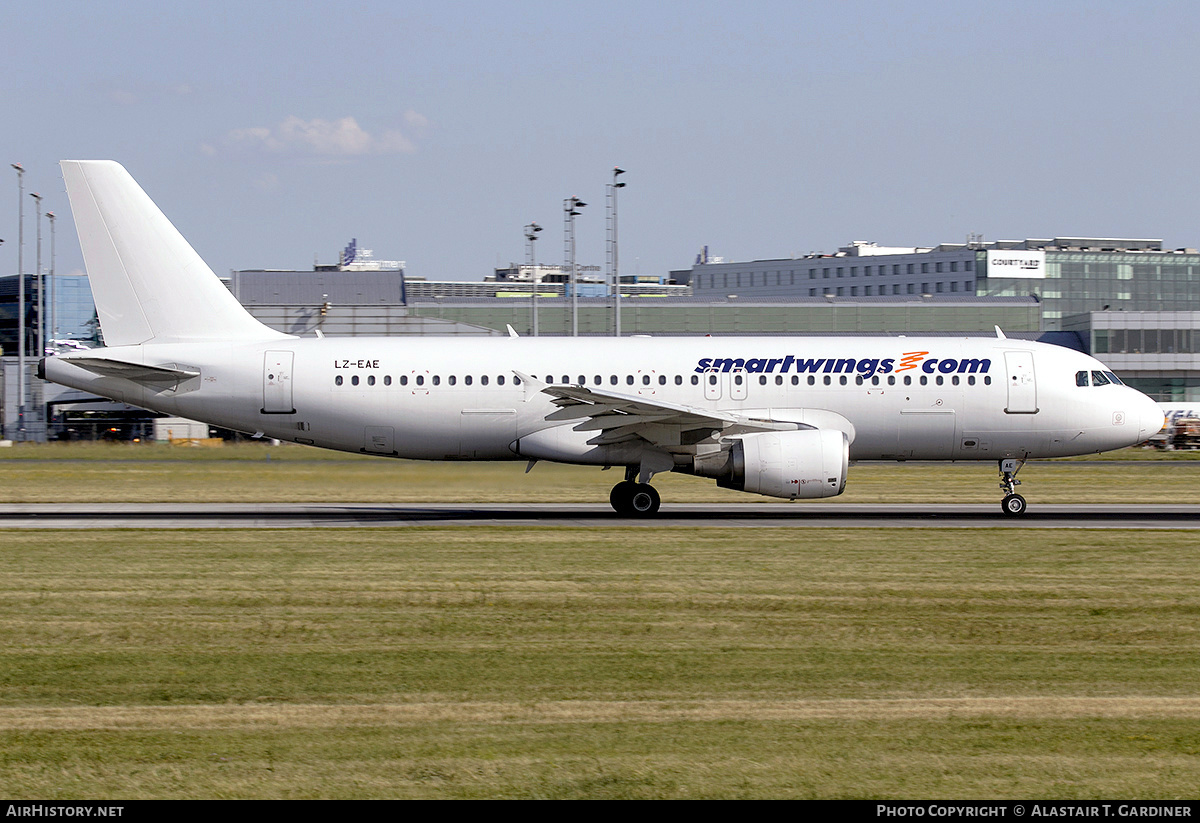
[620,417]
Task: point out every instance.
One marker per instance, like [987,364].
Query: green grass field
[557,662]
[285,474]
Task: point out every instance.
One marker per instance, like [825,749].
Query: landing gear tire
[644,501]
[634,499]
[1013,504]
[618,498]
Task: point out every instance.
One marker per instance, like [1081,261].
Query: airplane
[776,416]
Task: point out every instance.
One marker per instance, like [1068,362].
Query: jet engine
[808,463]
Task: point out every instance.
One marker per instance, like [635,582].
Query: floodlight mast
[53,285]
[41,307]
[20,300]
[570,206]
[613,268]
[531,233]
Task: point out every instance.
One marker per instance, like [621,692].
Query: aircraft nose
[1150,418]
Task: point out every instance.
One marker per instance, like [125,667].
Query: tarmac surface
[577,515]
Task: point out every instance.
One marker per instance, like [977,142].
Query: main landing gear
[1012,503]
[633,499]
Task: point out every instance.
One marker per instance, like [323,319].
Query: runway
[584,515]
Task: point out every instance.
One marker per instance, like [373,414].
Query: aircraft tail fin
[148,282]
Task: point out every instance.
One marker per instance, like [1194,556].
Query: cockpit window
[1081,378]
[1113,378]
[1098,379]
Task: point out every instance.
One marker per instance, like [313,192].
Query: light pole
[613,268]
[20,300]
[570,206]
[41,312]
[41,325]
[53,284]
[531,233]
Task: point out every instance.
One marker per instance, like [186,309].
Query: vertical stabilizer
[148,282]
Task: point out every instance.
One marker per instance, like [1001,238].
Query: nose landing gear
[1013,503]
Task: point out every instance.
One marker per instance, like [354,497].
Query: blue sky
[432,132]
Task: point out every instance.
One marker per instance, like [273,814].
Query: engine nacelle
[808,463]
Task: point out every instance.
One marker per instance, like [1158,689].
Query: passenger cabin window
[483,380]
[354,380]
[337,380]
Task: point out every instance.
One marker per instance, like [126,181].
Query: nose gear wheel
[1013,503]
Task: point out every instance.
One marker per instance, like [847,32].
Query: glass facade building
[70,312]
[1085,281]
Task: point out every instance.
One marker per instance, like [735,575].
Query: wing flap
[621,418]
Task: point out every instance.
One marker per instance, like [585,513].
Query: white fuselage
[443,398]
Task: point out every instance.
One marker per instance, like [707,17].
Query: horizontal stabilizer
[137,372]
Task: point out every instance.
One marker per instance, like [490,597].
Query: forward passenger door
[1022,385]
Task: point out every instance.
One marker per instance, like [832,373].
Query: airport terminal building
[1068,275]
